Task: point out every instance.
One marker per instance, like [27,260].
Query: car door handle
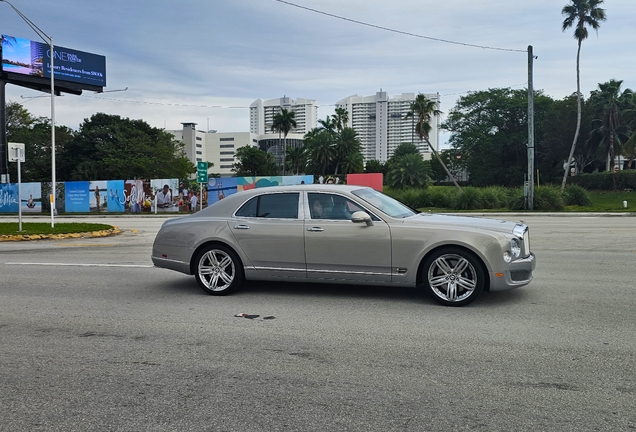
[241,227]
[315,229]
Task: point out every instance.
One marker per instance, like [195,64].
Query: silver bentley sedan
[345,235]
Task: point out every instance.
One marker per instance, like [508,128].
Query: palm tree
[347,143]
[296,159]
[609,102]
[424,108]
[284,122]
[353,163]
[581,13]
[629,147]
[341,118]
[408,171]
[320,151]
[329,125]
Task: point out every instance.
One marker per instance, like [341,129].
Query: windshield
[384,203]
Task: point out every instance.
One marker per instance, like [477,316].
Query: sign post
[16,154]
[202,179]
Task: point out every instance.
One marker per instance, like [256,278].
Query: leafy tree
[111,147]
[424,109]
[18,118]
[490,129]
[35,133]
[580,13]
[438,173]
[284,122]
[554,122]
[254,162]
[409,171]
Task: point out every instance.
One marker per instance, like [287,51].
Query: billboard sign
[32,58]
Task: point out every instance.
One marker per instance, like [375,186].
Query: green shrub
[516,200]
[495,197]
[468,199]
[576,195]
[548,198]
[412,197]
[441,197]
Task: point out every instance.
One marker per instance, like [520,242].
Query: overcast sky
[206,61]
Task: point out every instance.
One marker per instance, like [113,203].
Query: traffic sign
[202,172]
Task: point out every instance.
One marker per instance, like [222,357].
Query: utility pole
[530,197]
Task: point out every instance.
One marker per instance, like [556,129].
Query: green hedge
[546,198]
[625,179]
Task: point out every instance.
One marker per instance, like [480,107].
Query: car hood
[462,221]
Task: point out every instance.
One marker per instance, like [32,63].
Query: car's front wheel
[453,276]
[218,270]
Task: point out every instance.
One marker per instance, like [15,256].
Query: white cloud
[180,60]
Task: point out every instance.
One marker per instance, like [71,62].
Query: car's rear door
[269,230]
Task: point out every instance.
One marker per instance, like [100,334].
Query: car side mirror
[360,217]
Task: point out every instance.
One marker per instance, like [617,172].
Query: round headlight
[515,248]
[507,257]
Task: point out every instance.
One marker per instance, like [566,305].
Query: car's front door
[338,249]
[269,230]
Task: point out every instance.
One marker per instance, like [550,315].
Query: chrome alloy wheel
[452,277]
[216,270]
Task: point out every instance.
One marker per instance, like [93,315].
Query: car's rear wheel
[453,276]
[218,270]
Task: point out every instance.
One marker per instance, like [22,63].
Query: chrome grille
[522,231]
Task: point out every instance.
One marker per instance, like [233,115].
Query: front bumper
[517,274]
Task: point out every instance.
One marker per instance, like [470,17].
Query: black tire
[453,276]
[218,270]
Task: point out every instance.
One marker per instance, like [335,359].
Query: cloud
[193,60]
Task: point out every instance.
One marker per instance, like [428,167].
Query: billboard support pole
[53,209]
[47,39]
[4,153]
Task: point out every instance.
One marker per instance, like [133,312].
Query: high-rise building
[382,123]
[262,114]
[218,148]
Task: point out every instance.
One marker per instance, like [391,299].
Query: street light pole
[49,40]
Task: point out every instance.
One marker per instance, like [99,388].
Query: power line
[166,103]
[398,31]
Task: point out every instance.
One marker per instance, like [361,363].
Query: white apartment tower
[381,124]
[262,114]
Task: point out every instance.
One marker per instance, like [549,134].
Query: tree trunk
[284,153]
[578,117]
[443,164]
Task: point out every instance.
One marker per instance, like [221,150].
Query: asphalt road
[93,338]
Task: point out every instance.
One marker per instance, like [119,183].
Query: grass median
[44,228]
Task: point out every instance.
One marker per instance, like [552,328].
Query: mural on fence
[134,196]
[166,193]
[76,197]
[116,197]
[8,198]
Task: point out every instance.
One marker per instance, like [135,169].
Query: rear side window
[276,206]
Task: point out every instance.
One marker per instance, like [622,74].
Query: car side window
[275,206]
[330,206]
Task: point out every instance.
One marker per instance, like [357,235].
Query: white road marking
[81,265]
